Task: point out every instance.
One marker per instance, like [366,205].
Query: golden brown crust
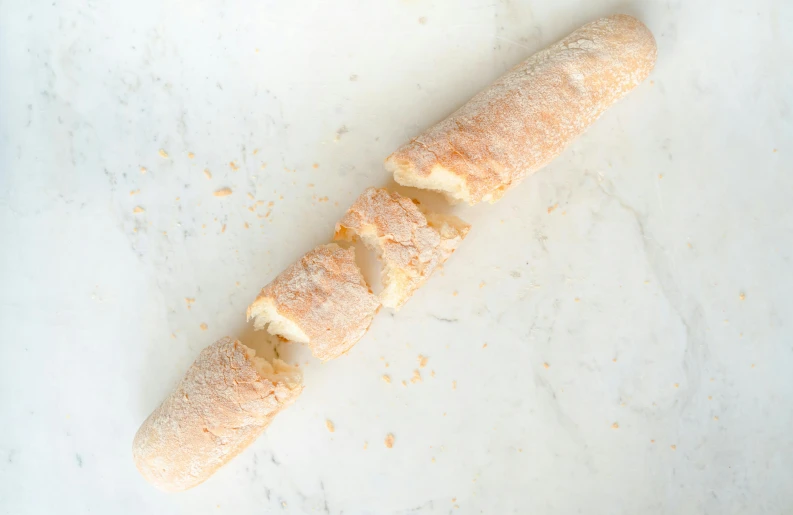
[410,243]
[220,406]
[529,115]
[326,296]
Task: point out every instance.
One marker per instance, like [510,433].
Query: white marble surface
[626,352]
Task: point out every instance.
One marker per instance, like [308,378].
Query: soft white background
[675,202]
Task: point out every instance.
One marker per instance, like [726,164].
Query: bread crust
[325,295]
[529,115]
[218,408]
[411,244]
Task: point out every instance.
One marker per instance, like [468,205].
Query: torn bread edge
[410,242]
[321,300]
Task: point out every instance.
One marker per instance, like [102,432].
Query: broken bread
[222,404]
[530,115]
[411,243]
[321,300]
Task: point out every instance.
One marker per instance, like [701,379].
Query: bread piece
[411,244]
[528,116]
[321,300]
[225,400]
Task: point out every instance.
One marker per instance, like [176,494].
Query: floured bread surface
[225,400]
[322,300]
[529,115]
[410,243]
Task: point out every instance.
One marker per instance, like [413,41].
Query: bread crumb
[143,169]
[546,366]
[484,346]
[652,441]
[752,365]
[404,383]
[223,192]
[432,373]
[576,299]
[389,440]
[660,176]
[250,196]
[416,377]
[223,229]
[135,192]
[163,154]
[715,417]
[207,173]
[433,459]
[615,426]
[551,209]
[613,360]
[710,397]
[138,209]
[246,225]
[677,385]
[234,166]
[365,445]
[482,284]
[315,166]
[673,447]
[263,166]
[190,155]
[454,293]
[330,426]
[386,378]
[203,326]
[741,296]
[775,151]
[454,385]
[423,20]
[173,336]
[423,361]
[189,302]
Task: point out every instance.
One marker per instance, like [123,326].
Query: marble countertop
[614,336]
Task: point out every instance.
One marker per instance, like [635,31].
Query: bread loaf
[225,400]
[528,116]
[410,243]
[321,300]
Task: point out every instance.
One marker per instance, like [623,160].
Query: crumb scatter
[223,192]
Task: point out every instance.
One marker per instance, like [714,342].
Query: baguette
[411,243]
[225,400]
[528,116]
[321,300]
